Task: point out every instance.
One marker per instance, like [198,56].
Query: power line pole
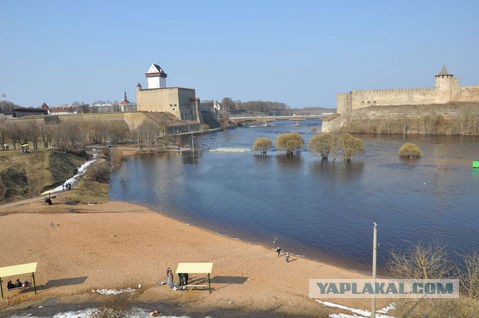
[375,251]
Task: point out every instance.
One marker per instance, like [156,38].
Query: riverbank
[119,245]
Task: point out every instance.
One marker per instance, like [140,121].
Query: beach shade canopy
[475,164]
[196,268]
[8,271]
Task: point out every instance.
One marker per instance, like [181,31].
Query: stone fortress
[157,97]
[447,90]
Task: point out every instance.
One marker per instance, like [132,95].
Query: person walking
[278,250]
[169,277]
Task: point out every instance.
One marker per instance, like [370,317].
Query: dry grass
[43,168]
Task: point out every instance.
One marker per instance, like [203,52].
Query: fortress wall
[393,97]
[158,100]
[467,94]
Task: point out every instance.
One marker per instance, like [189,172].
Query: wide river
[322,210]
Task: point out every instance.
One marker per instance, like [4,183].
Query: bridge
[242,119]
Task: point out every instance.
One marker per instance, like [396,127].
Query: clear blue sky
[300,52]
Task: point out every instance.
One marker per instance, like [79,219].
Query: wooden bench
[195,286]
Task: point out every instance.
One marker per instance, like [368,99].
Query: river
[323,210]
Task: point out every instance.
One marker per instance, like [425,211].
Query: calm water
[321,210]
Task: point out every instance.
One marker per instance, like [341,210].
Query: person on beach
[10,285]
[169,278]
[278,251]
[180,279]
[286,257]
[18,283]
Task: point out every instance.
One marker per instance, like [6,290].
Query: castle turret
[156,77]
[446,84]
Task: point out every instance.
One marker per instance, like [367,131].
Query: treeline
[74,134]
[7,107]
[254,107]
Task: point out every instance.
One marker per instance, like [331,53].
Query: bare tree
[470,275]
[421,261]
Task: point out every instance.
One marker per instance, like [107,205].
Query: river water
[323,210]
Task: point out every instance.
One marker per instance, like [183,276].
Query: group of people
[286,254]
[182,278]
[17,284]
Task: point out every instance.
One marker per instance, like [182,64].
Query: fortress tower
[156,77]
[446,85]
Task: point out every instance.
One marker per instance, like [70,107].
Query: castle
[446,90]
[178,101]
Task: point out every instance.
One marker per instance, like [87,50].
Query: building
[21,112]
[446,90]
[179,101]
[63,110]
[385,102]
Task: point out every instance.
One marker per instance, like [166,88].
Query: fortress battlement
[446,90]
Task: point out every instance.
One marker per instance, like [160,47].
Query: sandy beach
[117,245]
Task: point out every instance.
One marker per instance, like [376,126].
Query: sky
[300,52]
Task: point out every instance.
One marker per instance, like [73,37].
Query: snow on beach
[357,313]
[113,291]
[94,312]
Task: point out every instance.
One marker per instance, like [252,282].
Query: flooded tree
[410,151]
[349,146]
[322,144]
[290,142]
[262,144]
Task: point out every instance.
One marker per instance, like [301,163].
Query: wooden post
[209,283]
[1,286]
[34,285]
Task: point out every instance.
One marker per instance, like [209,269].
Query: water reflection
[317,208]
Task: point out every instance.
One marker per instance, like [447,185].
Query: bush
[410,151]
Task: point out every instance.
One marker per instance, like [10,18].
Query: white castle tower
[156,77]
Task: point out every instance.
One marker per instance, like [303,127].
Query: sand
[119,245]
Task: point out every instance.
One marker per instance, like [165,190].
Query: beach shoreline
[80,248]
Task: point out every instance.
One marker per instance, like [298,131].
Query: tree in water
[322,144]
[410,151]
[350,146]
[262,144]
[289,142]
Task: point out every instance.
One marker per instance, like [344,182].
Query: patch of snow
[113,291]
[357,313]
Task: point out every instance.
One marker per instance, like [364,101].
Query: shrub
[410,151]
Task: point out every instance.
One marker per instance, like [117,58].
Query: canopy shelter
[196,268]
[7,271]
[475,165]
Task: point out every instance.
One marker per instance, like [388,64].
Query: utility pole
[375,251]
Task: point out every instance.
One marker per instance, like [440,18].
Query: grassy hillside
[24,175]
